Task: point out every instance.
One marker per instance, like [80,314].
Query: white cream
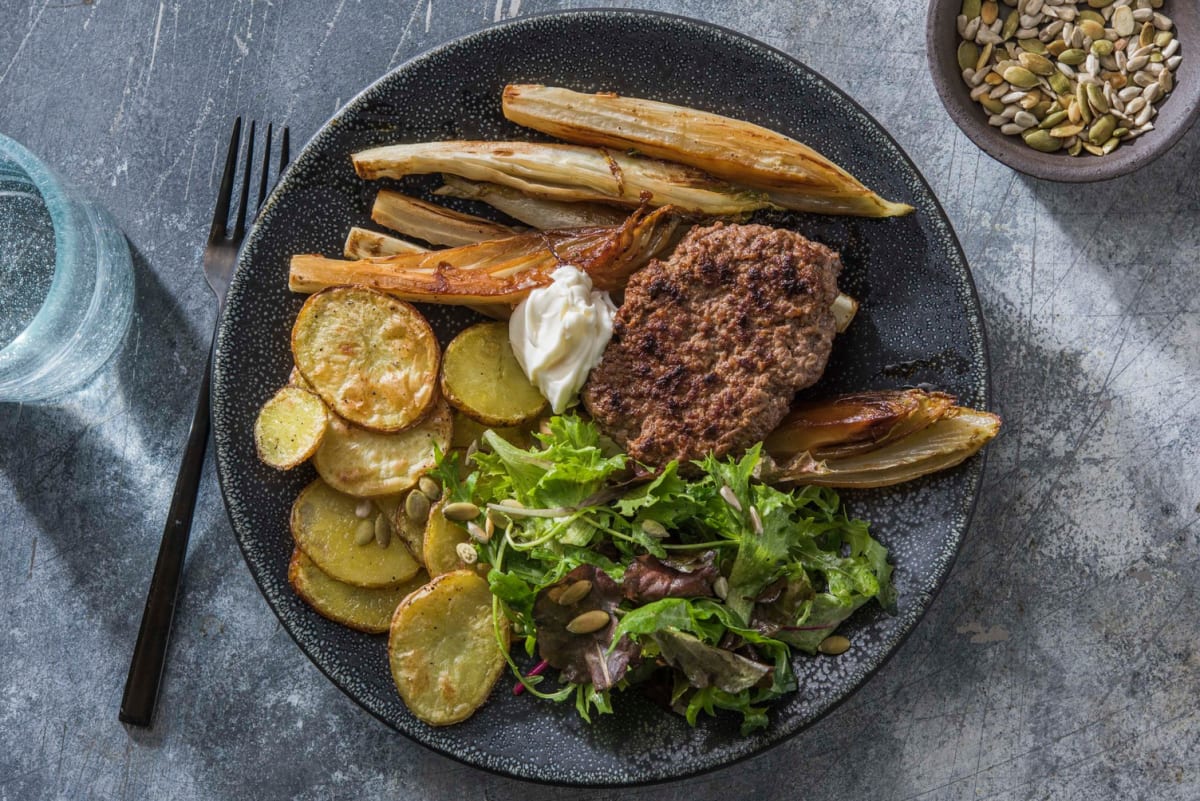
[559,333]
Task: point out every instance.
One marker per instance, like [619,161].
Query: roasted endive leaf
[794,175]
[855,423]
[497,271]
[938,446]
[435,224]
[566,172]
[538,212]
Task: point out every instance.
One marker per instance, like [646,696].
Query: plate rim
[974,307]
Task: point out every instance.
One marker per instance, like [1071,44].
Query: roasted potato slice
[362,608]
[442,538]
[467,431]
[326,527]
[289,428]
[371,357]
[442,648]
[368,463]
[297,380]
[482,378]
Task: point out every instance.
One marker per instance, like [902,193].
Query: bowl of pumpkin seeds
[1068,90]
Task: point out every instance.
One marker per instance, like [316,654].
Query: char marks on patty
[711,345]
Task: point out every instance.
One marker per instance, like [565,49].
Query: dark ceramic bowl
[1176,113]
[920,323]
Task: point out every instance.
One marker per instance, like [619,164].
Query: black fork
[220,258]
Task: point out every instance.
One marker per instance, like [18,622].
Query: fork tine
[266,168]
[225,192]
[284,154]
[239,229]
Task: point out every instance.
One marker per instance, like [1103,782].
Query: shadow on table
[87,465]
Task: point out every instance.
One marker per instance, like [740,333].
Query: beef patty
[710,346]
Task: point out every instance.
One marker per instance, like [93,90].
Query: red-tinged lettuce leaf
[707,665]
[583,658]
[781,603]
[650,579]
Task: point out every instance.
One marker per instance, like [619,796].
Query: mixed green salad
[693,582]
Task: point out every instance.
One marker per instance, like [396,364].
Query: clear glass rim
[64,218]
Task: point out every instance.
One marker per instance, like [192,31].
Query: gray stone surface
[1062,659]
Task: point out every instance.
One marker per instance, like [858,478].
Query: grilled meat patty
[710,346]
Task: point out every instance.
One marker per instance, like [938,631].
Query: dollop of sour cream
[559,333]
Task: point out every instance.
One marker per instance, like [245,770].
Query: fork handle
[149,654]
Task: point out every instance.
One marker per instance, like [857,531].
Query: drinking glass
[66,282]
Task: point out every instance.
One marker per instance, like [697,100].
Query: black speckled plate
[920,324]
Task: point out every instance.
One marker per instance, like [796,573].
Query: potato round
[323,525]
[483,379]
[442,648]
[371,357]
[368,463]
[289,428]
[442,538]
[467,431]
[363,608]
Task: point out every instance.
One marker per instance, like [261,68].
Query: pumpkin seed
[1066,131]
[478,532]
[1091,29]
[364,532]
[991,104]
[1041,140]
[968,55]
[1059,83]
[1057,47]
[1032,46]
[1097,99]
[1089,14]
[656,529]
[1072,57]
[1147,35]
[574,593]
[461,511]
[1102,129]
[588,622]
[971,8]
[1019,76]
[989,12]
[1111,145]
[1038,65]
[1100,3]
[1102,47]
[431,488]
[1085,110]
[834,646]
[731,497]
[984,57]
[383,531]
[1052,120]
[1010,25]
[416,506]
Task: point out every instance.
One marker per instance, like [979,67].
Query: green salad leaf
[749,572]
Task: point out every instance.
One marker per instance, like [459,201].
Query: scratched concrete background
[1062,660]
